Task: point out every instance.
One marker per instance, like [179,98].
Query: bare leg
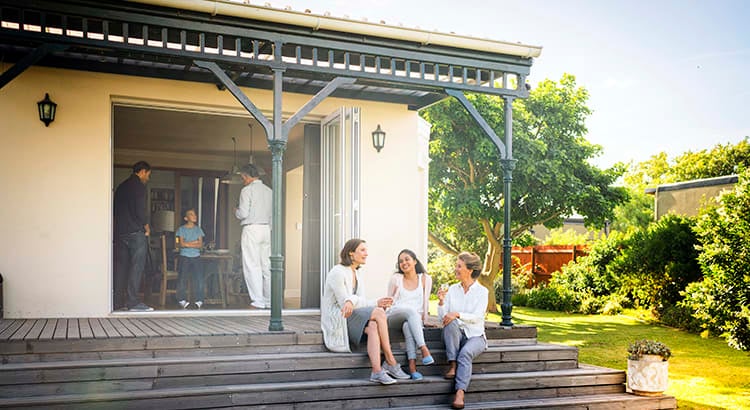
[425,351]
[378,315]
[458,402]
[373,346]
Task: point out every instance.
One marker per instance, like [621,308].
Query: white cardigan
[397,282]
[338,290]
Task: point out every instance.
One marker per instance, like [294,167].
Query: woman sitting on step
[461,308]
[410,289]
[346,317]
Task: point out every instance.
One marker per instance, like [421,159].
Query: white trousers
[256,263]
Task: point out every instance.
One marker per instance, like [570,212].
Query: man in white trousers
[254,213]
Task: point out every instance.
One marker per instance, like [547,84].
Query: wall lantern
[378,138]
[47,109]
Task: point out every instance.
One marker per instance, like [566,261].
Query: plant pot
[648,376]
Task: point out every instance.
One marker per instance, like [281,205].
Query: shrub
[679,316]
[656,264]
[551,298]
[722,300]
[643,347]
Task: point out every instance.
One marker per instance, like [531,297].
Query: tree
[722,300]
[552,178]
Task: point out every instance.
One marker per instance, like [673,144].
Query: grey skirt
[355,324]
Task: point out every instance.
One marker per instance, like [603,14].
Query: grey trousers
[410,323]
[463,350]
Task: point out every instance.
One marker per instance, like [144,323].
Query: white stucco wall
[55,250]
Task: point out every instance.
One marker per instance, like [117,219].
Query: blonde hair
[472,261]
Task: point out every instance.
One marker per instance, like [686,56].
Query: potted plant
[648,367]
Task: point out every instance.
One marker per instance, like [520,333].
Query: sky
[663,75]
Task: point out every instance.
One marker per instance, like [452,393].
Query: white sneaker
[395,371]
[382,378]
[199,304]
[184,304]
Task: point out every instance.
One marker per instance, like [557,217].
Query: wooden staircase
[291,370]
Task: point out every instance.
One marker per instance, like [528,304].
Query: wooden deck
[129,327]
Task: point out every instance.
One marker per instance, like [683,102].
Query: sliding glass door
[340,146]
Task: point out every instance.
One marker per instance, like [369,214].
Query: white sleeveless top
[411,298]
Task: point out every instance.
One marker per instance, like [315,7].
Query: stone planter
[648,376]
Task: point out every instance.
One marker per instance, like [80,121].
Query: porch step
[346,393]
[106,375]
[617,401]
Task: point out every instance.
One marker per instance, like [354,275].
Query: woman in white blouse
[461,308]
[347,317]
[410,289]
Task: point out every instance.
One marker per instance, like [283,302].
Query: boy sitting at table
[190,241]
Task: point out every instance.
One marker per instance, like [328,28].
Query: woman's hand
[347,309]
[449,317]
[385,302]
[441,295]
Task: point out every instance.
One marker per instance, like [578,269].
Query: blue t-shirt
[189,235]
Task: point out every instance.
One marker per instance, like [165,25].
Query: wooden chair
[167,275]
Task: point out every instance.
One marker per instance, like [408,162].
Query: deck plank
[175,326]
[61,329]
[227,327]
[147,331]
[121,329]
[5,323]
[158,328]
[210,327]
[231,326]
[191,325]
[20,334]
[36,330]
[49,330]
[97,329]
[134,330]
[109,329]
[73,331]
[85,328]
[8,332]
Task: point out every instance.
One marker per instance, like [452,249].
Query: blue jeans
[130,259]
[463,350]
[190,269]
[410,323]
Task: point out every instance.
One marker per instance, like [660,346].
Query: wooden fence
[544,260]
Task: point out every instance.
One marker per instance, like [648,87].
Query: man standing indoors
[131,233]
[254,213]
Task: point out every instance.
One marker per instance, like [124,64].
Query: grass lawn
[704,373]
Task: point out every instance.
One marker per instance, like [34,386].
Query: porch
[144,361]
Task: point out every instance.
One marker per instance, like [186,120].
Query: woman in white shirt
[410,289]
[461,308]
[347,317]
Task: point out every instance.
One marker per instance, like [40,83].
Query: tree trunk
[490,272]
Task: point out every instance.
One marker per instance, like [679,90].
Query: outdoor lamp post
[47,109]
[378,138]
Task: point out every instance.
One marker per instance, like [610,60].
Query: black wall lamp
[378,138]
[47,109]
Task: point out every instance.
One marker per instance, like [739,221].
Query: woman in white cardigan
[410,289]
[346,317]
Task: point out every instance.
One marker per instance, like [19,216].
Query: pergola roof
[389,64]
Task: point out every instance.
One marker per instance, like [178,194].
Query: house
[686,198]
[197,88]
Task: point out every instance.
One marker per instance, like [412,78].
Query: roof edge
[321,22]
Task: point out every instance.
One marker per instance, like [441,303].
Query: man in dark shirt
[131,232]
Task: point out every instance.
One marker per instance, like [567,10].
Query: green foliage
[560,236]
[524,239]
[637,349]
[679,316]
[718,161]
[590,277]
[722,300]
[440,267]
[636,213]
[656,264]
[551,297]
[552,179]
